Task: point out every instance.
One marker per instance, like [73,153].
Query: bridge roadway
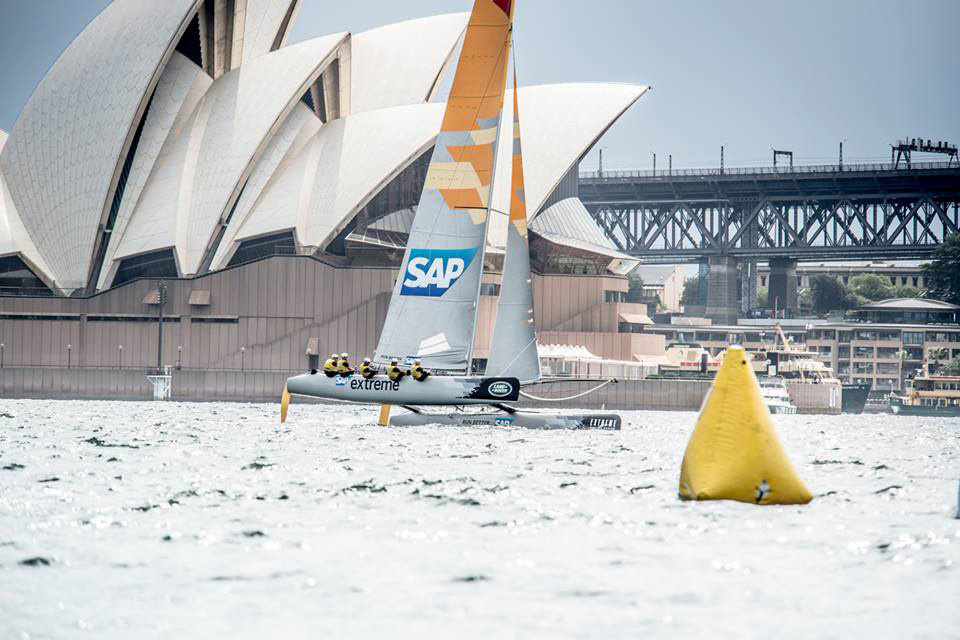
[723,219]
[807,213]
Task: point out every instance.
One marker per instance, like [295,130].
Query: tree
[951,368]
[635,292]
[829,294]
[871,287]
[942,275]
[763,296]
[906,291]
[691,291]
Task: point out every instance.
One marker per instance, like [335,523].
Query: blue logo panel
[431,272]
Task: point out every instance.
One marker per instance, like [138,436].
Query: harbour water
[162,520]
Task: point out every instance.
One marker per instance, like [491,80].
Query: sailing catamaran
[433,310]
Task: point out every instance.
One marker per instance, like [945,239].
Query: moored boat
[929,395]
[775,395]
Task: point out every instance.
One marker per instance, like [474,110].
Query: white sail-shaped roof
[337,172]
[180,89]
[400,63]
[14,239]
[312,192]
[568,223]
[205,170]
[297,131]
[264,25]
[67,147]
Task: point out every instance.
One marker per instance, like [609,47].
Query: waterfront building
[898,274]
[662,283]
[914,335]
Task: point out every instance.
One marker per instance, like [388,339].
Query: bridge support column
[782,292]
[722,304]
[748,286]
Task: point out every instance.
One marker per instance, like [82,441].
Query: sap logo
[340,381]
[503,422]
[431,272]
[500,389]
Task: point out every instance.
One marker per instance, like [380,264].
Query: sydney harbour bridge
[728,219]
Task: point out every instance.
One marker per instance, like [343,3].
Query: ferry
[929,395]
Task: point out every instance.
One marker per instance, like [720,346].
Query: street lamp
[243,353]
[2,347]
[179,357]
[69,353]
[120,351]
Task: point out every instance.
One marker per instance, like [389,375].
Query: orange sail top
[518,202]
[474,105]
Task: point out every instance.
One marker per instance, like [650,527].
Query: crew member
[394,372]
[418,372]
[330,366]
[366,369]
[343,365]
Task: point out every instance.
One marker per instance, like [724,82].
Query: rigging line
[579,395]
[533,342]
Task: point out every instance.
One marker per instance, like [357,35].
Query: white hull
[776,396]
[434,391]
[527,420]
[777,408]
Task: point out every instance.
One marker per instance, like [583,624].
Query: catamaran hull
[434,391]
[518,419]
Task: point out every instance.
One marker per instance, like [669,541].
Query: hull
[900,409]
[781,409]
[434,391]
[526,420]
[854,397]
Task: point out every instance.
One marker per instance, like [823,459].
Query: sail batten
[514,344]
[432,312]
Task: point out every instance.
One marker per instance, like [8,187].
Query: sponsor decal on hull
[611,422]
[374,385]
[500,389]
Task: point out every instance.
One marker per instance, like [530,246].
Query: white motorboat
[774,391]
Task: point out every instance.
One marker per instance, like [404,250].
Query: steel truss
[806,226]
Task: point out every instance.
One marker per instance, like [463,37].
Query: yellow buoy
[384,415]
[734,452]
[284,403]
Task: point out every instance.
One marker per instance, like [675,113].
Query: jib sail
[513,350]
[432,312]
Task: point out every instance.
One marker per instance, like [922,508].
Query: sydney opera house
[272,186]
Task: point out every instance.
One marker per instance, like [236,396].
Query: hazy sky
[750,74]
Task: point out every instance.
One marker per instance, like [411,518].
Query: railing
[752,171]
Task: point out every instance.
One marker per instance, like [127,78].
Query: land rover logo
[500,389]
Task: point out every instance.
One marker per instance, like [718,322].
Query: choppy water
[121,520]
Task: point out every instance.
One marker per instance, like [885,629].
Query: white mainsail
[513,350]
[433,310]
